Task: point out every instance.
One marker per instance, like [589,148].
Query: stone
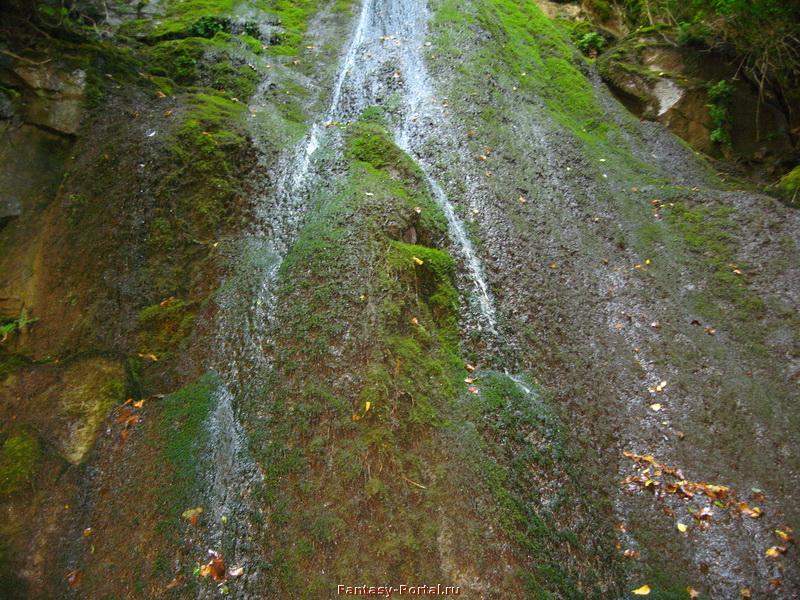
[57,99]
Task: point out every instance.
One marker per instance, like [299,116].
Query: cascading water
[246,308]
[384,57]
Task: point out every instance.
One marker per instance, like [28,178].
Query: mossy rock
[87,390]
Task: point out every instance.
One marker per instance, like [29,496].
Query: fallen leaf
[693,593]
[356,417]
[754,512]
[193,515]
[776,551]
[473,390]
[215,567]
[175,582]
[367,406]
[415,321]
[139,404]
[419,261]
[522,200]
[656,407]
[160,94]
[631,553]
[745,593]
[681,527]
[73,578]
[235,571]
[786,535]
[469,367]
[642,591]
[469,380]
[87,532]
[704,514]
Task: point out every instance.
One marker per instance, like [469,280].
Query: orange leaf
[73,579]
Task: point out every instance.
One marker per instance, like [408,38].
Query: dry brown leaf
[73,578]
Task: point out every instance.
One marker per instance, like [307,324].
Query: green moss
[193,17]
[789,185]
[520,439]
[710,233]
[19,460]
[345,265]
[293,17]
[182,439]
[163,328]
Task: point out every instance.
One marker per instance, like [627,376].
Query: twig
[419,485]
[23,59]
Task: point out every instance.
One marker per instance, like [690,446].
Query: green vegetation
[19,459]
[762,35]
[591,43]
[10,326]
[720,96]
[789,185]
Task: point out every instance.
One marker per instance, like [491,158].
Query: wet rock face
[54,99]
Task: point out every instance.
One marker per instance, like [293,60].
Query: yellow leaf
[419,261]
[367,406]
[642,591]
[656,407]
[775,551]
[745,593]
[693,593]
[681,527]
